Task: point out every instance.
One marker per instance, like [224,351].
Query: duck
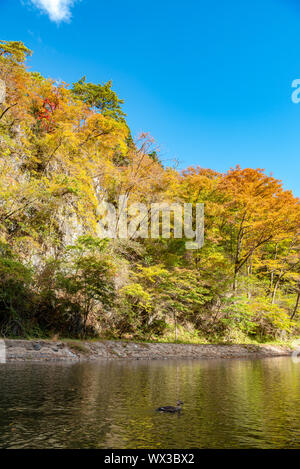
[171,408]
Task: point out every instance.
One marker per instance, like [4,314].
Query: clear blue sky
[210,80]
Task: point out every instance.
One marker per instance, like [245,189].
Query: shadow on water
[228,404]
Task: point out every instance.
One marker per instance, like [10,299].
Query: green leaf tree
[100,97]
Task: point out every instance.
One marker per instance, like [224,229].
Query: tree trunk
[272,273]
[275,290]
[296,306]
[249,273]
[235,282]
[237,264]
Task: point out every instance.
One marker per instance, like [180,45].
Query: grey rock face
[2,91]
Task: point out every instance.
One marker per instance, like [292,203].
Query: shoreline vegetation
[76,351]
[64,149]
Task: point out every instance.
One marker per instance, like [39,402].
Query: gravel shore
[50,351]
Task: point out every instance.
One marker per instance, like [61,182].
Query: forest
[64,148]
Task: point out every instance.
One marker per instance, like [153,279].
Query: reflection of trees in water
[228,403]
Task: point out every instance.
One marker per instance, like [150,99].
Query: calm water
[228,404]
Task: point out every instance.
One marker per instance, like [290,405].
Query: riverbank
[64,351]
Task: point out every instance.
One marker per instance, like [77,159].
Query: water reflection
[228,404]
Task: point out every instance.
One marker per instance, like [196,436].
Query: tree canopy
[62,152]
[100,98]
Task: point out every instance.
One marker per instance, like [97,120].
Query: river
[111,404]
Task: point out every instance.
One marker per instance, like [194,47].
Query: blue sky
[210,81]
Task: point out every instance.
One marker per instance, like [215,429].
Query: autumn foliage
[63,150]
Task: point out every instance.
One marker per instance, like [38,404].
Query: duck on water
[170,408]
